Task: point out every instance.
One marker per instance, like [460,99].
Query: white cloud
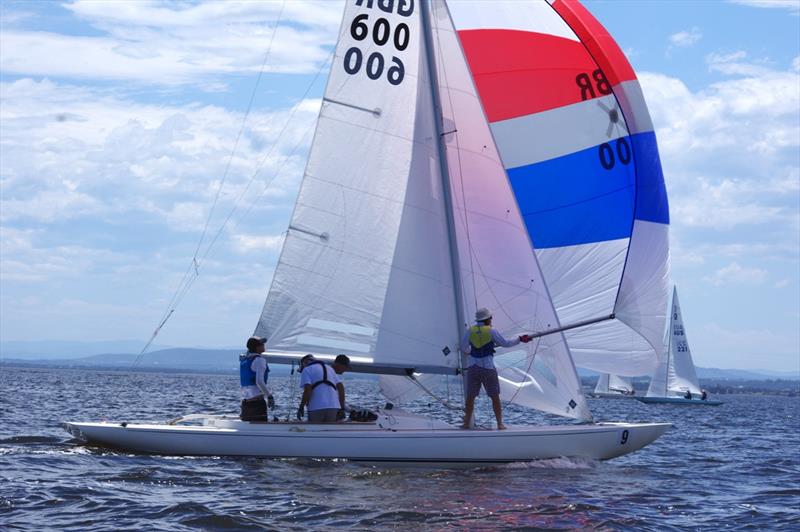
[730,151]
[790,5]
[249,243]
[735,274]
[109,155]
[783,283]
[685,39]
[162,43]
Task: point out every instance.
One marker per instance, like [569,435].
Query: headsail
[499,269]
[365,268]
[574,134]
[676,374]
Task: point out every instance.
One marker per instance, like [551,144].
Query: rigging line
[184,283]
[241,130]
[444,402]
[261,163]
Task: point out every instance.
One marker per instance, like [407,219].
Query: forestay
[573,132]
[676,375]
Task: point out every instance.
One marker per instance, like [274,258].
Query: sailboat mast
[444,170]
[669,342]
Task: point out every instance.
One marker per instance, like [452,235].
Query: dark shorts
[477,376]
[323,415]
[255,410]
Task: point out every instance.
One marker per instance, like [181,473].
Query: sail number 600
[376,62]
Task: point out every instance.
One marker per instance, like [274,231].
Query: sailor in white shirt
[323,389]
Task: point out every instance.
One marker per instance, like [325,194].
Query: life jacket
[480,338]
[324,375]
[247,377]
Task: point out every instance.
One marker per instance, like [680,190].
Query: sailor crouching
[253,374]
[323,389]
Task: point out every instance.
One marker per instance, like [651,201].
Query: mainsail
[365,267]
[573,132]
[368,262]
[676,374]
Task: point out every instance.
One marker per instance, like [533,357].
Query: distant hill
[176,358]
[58,349]
[122,353]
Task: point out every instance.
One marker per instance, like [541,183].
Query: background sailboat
[675,380]
[613,387]
[404,224]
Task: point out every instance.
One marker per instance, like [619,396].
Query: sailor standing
[479,342]
[253,374]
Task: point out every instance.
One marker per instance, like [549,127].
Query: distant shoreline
[726,386]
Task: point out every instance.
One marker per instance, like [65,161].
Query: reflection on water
[733,466]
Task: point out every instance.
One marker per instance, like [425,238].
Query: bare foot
[501,427]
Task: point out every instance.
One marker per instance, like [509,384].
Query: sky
[130,129]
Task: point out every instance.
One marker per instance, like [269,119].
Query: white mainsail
[365,268]
[676,374]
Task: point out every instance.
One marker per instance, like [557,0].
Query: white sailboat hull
[679,401]
[374,442]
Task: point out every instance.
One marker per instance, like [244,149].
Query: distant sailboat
[613,387]
[675,380]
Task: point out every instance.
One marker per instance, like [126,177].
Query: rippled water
[734,466]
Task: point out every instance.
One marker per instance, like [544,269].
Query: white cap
[482,314]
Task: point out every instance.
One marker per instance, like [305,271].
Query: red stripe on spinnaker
[597,40]
[518,73]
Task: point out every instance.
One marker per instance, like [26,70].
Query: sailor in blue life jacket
[253,374]
[479,343]
[323,389]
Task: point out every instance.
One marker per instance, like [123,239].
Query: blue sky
[118,120]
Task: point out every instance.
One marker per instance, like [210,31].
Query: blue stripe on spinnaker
[574,200]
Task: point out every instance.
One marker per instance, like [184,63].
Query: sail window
[310,339]
[349,328]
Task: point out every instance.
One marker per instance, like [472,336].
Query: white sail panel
[609,383]
[365,268]
[676,375]
[498,266]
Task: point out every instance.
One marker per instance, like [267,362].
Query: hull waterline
[371,442]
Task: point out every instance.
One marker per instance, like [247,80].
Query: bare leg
[498,412]
[469,405]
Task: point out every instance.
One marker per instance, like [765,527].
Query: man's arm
[340,389]
[304,401]
[261,372]
[465,347]
[502,342]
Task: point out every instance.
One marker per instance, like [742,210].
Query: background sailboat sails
[366,265]
[676,374]
[609,383]
[573,132]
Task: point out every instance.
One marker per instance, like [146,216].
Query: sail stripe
[604,49]
[590,207]
[542,136]
[545,72]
